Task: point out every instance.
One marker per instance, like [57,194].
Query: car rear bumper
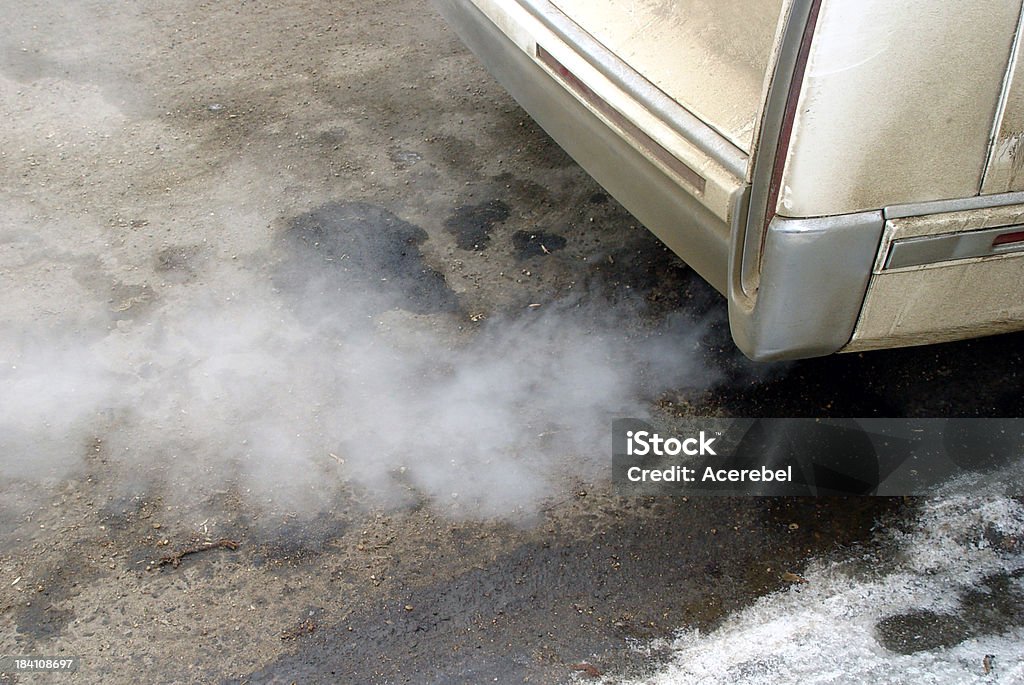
[814,272]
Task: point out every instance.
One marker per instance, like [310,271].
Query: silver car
[850,175]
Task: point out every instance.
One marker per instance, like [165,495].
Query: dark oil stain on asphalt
[471,224]
[356,254]
[642,267]
[49,607]
[459,156]
[291,542]
[555,600]
[519,190]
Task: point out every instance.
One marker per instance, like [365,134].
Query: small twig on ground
[175,559]
[589,669]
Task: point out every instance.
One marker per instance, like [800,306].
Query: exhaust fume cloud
[342,366]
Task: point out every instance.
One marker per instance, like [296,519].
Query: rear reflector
[1008,239]
[633,132]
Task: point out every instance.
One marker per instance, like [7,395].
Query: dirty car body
[849,175]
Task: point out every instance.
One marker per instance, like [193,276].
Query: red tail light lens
[1007,239]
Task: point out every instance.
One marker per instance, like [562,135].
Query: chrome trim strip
[750,240]
[946,247]
[956,205]
[678,118]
